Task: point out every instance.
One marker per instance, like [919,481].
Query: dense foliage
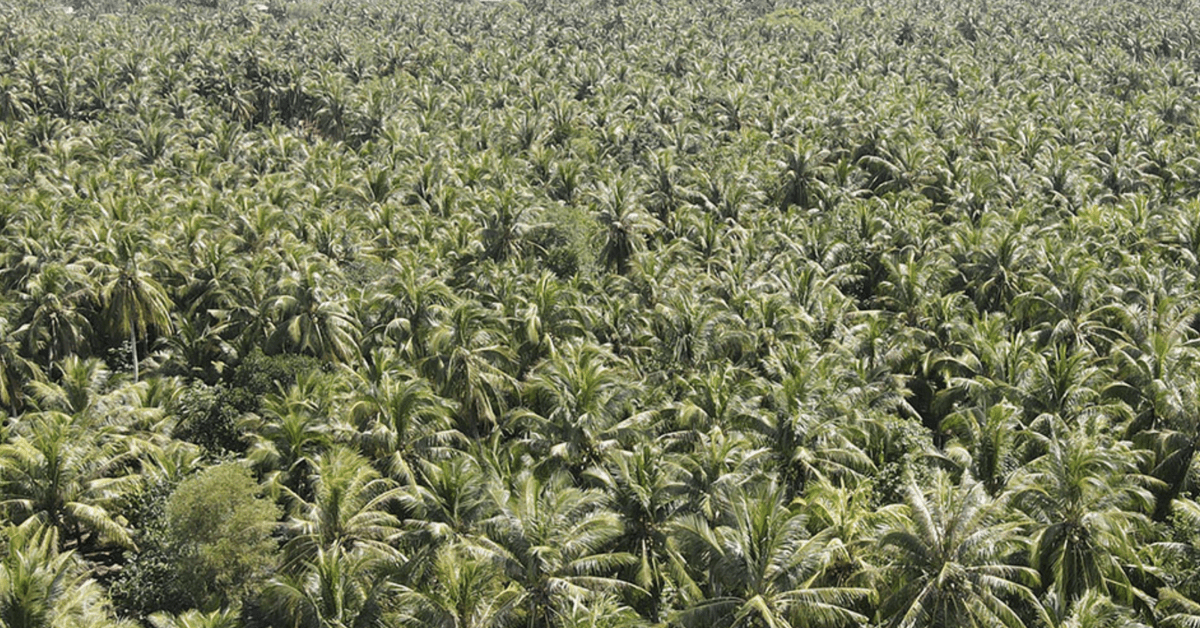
[600,313]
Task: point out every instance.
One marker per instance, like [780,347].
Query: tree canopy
[555,313]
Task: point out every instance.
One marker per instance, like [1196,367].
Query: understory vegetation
[603,313]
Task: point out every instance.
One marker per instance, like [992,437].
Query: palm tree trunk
[133,348]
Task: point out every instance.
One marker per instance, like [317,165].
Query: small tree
[223,528]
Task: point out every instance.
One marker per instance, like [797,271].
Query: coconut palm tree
[310,321]
[348,514]
[648,497]
[555,542]
[625,223]
[405,306]
[195,619]
[951,564]
[576,395]
[464,591]
[135,304]
[396,416]
[54,321]
[1089,502]
[759,567]
[67,477]
[467,361]
[43,587]
[335,588]
[15,370]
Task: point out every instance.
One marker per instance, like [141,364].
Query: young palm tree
[759,567]
[334,589]
[66,477]
[42,587]
[856,523]
[464,591]
[985,442]
[801,175]
[1176,610]
[79,391]
[555,542]
[950,562]
[602,612]
[1096,610]
[348,511]
[806,446]
[1089,500]
[406,306]
[1156,359]
[449,502]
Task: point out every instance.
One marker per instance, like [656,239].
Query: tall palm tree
[135,304]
